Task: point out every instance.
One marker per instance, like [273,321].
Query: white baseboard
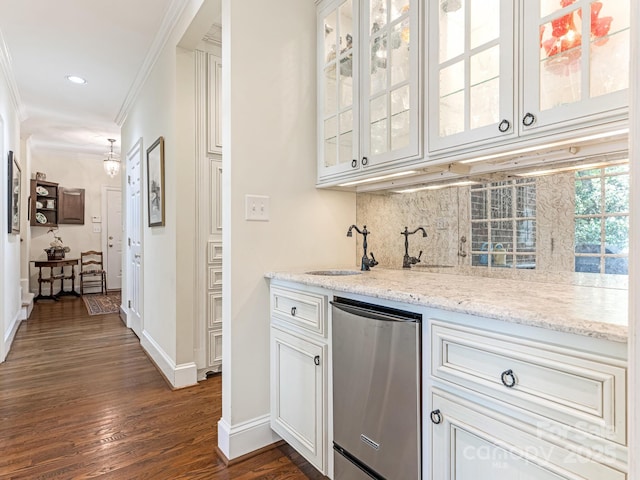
[237,440]
[11,333]
[179,376]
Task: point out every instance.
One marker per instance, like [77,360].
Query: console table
[51,264]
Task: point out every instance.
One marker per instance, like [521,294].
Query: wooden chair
[92,272]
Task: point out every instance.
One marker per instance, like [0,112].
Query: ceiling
[104,41]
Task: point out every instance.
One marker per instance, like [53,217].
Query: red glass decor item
[565,35]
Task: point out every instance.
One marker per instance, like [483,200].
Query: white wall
[71,170]
[165,107]
[269,148]
[10,295]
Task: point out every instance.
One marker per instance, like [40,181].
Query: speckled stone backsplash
[445,214]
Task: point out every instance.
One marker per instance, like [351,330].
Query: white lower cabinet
[471,443]
[509,401]
[299,370]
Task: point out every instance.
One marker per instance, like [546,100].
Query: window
[503,224]
[602,220]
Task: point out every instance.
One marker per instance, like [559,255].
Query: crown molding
[169,22]
[7,70]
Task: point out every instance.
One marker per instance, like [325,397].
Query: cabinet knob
[354,163]
[293,311]
[528,119]
[508,378]
[504,125]
[365,161]
[316,359]
[436,417]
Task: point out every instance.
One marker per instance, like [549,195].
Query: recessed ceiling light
[76,79]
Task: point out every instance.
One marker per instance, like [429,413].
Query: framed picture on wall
[13,200]
[155,183]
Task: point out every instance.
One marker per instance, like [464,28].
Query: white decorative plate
[42,191]
[39,205]
[40,218]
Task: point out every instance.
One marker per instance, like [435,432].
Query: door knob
[111,245]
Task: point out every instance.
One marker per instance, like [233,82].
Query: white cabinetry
[369,94]
[527,404]
[299,390]
[500,69]
[214,105]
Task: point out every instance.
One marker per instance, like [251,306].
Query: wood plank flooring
[79,399]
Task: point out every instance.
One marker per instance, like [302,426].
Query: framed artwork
[155,183]
[14,194]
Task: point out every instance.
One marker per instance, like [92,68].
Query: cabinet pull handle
[508,378]
[436,417]
[316,359]
[354,163]
[293,311]
[365,161]
[504,126]
[528,119]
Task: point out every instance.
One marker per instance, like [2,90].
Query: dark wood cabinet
[71,205]
[44,204]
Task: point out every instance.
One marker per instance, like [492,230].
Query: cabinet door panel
[471,86]
[297,394]
[390,88]
[472,443]
[338,87]
[574,69]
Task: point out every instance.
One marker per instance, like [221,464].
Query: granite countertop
[591,311]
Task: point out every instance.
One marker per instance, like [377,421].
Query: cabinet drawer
[303,309]
[581,390]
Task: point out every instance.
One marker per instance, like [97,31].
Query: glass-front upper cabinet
[368,88]
[471,71]
[338,86]
[576,60]
[391,115]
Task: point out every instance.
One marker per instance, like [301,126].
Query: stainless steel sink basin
[334,272]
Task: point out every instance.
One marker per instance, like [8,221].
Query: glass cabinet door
[390,80]
[576,59]
[471,69]
[338,87]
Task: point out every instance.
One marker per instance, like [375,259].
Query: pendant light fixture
[112,162]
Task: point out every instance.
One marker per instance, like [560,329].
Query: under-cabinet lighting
[377,179]
[436,187]
[547,146]
[571,168]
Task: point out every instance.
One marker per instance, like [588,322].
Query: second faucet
[407,261]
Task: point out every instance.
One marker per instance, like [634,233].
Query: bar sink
[334,272]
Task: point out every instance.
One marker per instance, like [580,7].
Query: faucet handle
[373,261]
[419,255]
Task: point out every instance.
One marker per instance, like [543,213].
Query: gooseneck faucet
[367,263]
[407,261]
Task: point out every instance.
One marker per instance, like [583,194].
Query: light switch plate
[97,228]
[96,219]
[256,208]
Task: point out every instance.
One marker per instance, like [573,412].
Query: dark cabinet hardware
[436,417]
[508,378]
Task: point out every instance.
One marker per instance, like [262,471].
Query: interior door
[114,238]
[134,239]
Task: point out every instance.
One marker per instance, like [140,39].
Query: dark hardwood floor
[79,399]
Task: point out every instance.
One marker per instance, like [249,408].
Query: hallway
[80,399]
